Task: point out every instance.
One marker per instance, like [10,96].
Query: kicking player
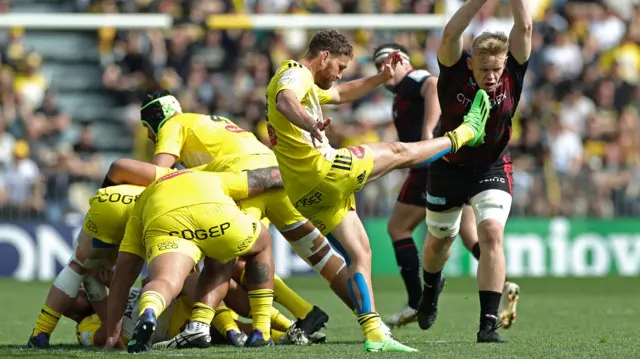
[483,176]
[320,180]
[416,112]
[167,217]
[218,143]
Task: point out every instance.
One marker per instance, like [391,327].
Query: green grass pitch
[557,318]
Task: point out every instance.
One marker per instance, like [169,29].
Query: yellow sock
[202,313]
[279,321]
[47,321]
[290,299]
[224,320]
[261,301]
[276,335]
[371,326]
[152,300]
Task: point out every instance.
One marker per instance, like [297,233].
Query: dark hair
[378,52]
[152,113]
[332,41]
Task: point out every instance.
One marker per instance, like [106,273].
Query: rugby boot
[487,332]
[256,339]
[387,345]
[39,341]
[477,117]
[471,132]
[236,339]
[403,317]
[428,305]
[194,335]
[300,332]
[141,339]
[508,303]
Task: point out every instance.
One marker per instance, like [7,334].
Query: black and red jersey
[456,92]
[408,106]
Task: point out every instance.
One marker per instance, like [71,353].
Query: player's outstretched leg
[351,239]
[393,155]
[167,272]
[511,291]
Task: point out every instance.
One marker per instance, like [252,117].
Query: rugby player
[218,143]
[416,111]
[321,180]
[481,177]
[168,215]
[97,245]
[91,332]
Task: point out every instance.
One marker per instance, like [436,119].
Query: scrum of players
[202,230]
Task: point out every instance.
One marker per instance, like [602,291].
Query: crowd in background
[576,144]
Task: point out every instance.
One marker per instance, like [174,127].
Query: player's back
[188,188]
[201,139]
[109,211]
[408,106]
[297,158]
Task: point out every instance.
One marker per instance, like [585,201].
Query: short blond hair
[490,44]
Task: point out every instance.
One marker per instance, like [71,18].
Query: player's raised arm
[450,49]
[128,267]
[355,89]
[429,91]
[520,36]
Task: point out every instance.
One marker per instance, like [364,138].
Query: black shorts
[450,186]
[414,188]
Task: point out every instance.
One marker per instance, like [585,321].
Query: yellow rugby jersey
[200,139]
[297,158]
[177,190]
[109,211]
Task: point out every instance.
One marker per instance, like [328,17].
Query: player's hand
[103,274]
[390,63]
[316,131]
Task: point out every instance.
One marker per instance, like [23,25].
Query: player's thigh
[349,172]
[491,196]
[326,218]
[171,258]
[281,211]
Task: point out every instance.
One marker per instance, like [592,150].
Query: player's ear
[324,56]
[470,63]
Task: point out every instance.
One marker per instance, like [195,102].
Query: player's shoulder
[291,71]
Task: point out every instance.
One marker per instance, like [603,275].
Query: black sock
[476,250]
[409,263]
[431,282]
[107,182]
[489,303]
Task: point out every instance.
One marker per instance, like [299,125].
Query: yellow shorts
[327,204]
[219,231]
[274,205]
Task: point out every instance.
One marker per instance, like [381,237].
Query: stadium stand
[576,139]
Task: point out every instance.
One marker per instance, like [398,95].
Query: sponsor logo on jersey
[234,128]
[357,151]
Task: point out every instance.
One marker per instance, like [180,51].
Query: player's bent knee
[96,291]
[68,281]
[316,251]
[491,204]
[443,225]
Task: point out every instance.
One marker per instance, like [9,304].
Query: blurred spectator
[22,185]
